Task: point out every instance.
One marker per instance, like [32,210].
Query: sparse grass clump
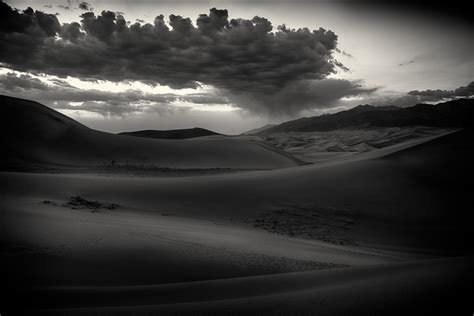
[80,203]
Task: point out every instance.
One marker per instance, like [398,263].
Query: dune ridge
[33,134]
[386,230]
[302,293]
[172,134]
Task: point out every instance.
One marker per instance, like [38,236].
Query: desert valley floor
[233,225]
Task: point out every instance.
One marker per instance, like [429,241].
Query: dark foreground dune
[382,232]
[393,289]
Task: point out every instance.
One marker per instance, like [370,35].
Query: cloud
[64,7]
[85,6]
[61,95]
[298,96]
[247,59]
[435,95]
[12,82]
[344,53]
[417,96]
[406,63]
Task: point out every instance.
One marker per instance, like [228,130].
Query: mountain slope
[258,130]
[34,135]
[456,113]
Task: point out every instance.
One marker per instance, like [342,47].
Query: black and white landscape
[256,158]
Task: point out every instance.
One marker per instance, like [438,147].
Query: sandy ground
[196,244]
[412,288]
[318,147]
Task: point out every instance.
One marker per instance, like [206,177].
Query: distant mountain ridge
[455,113]
[172,134]
[258,130]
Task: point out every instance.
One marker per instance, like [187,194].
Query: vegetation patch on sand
[265,264]
[80,203]
[326,224]
[141,169]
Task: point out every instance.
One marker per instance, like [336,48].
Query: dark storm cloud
[59,94]
[300,95]
[12,82]
[417,96]
[240,57]
[28,22]
[117,108]
[61,83]
[435,95]
[71,32]
[85,6]
[200,98]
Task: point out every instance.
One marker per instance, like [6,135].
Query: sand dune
[386,289]
[50,245]
[359,234]
[318,147]
[393,199]
[36,136]
[124,260]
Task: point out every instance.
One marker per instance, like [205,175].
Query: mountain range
[455,113]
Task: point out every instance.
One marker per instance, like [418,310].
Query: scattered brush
[80,203]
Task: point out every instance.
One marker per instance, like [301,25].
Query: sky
[230,66]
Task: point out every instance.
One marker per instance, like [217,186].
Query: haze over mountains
[455,113]
[452,114]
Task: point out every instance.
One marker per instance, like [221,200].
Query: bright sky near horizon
[382,53]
